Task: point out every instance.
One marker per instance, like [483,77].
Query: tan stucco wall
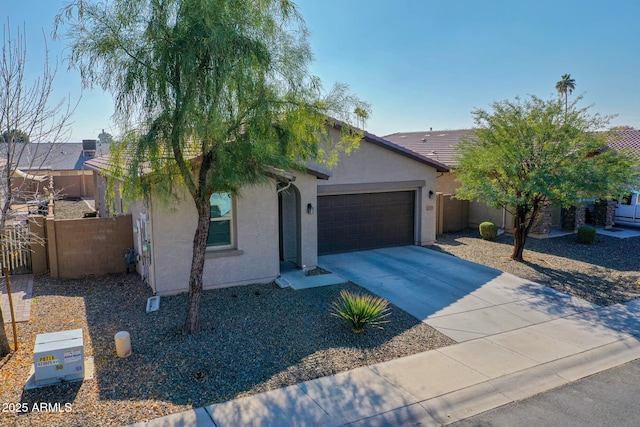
[306,184]
[290,229]
[254,259]
[446,183]
[38,251]
[371,164]
[100,188]
[142,239]
[480,212]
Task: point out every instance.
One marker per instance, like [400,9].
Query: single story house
[441,145]
[627,138]
[380,195]
[64,163]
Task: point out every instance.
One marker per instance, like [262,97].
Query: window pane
[219,233]
[220,205]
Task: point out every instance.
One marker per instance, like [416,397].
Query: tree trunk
[519,236]
[522,225]
[5,348]
[192,324]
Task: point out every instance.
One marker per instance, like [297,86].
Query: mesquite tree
[532,153]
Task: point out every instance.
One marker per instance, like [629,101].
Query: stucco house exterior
[441,145]
[380,195]
[63,162]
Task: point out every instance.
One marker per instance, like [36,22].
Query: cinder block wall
[89,246]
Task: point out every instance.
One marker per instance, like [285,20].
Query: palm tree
[566,85]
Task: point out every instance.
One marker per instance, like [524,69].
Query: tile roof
[102,164]
[403,150]
[438,145]
[99,164]
[627,138]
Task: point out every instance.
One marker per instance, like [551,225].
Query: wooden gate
[452,214]
[15,249]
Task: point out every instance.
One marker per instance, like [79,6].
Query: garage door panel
[350,222]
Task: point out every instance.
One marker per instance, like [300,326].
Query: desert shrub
[488,230]
[361,310]
[586,235]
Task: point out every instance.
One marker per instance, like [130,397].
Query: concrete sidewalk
[21,291]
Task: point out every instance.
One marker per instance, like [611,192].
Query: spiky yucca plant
[361,310]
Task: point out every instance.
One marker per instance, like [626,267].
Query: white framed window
[221,221]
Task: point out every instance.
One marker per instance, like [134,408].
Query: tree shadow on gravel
[53,398]
[608,252]
[597,289]
[254,338]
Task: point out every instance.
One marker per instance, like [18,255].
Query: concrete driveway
[459,298]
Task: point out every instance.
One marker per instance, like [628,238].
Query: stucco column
[38,251]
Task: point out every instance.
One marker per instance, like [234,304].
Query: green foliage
[530,153]
[211,95]
[488,230]
[105,137]
[565,87]
[566,84]
[14,136]
[586,235]
[225,81]
[361,310]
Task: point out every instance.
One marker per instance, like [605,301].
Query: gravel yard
[255,338]
[605,273]
[72,208]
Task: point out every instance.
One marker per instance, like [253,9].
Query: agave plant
[361,310]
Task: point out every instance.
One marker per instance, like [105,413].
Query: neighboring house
[441,145]
[64,162]
[380,195]
[627,139]
[438,145]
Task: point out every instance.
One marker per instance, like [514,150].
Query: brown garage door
[352,222]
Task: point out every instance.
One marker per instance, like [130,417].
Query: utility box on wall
[58,357]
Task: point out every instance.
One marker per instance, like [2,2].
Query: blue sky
[423,64]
